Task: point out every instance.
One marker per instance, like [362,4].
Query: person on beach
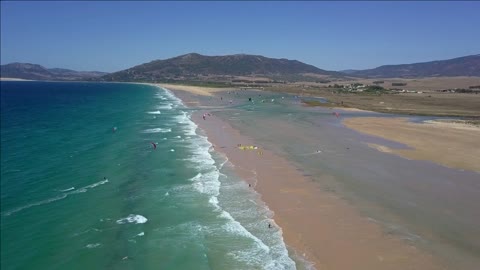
[269,225]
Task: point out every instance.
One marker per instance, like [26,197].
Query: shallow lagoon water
[426,204]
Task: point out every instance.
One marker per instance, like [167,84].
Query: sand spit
[197,90]
[454,145]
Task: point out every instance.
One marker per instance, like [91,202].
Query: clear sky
[110,36]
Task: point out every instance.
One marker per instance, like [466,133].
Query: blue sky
[110,36]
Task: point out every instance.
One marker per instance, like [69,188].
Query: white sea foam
[207,183]
[160,96]
[165,107]
[214,201]
[57,198]
[141,234]
[93,245]
[137,219]
[97,184]
[63,196]
[172,150]
[191,130]
[68,189]
[157,130]
[267,253]
[182,118]
[154,112]
[172,96]
[80,190]
[237,228]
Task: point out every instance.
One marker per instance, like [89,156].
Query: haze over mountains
[461,66]
[37,72]
[238,67]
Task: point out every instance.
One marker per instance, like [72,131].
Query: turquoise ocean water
[82,186]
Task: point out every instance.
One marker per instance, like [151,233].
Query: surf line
[57,198]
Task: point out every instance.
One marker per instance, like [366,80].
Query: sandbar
[197,90]
[454,145]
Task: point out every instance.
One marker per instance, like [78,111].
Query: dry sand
[13,79]
[197,90]
[454,145]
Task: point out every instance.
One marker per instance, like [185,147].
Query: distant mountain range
[239,67]
[349,71]
[194,66]
[37,72]
[461,66]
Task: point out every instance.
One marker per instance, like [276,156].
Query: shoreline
[333,104]
[354,104]
[319,226]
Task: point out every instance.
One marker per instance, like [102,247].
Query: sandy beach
[319,226]
[454,145]
[203,91]
[12,79]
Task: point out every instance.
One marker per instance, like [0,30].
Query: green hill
[198,67]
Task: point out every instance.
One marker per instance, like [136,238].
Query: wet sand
[318,225]
[453,145]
